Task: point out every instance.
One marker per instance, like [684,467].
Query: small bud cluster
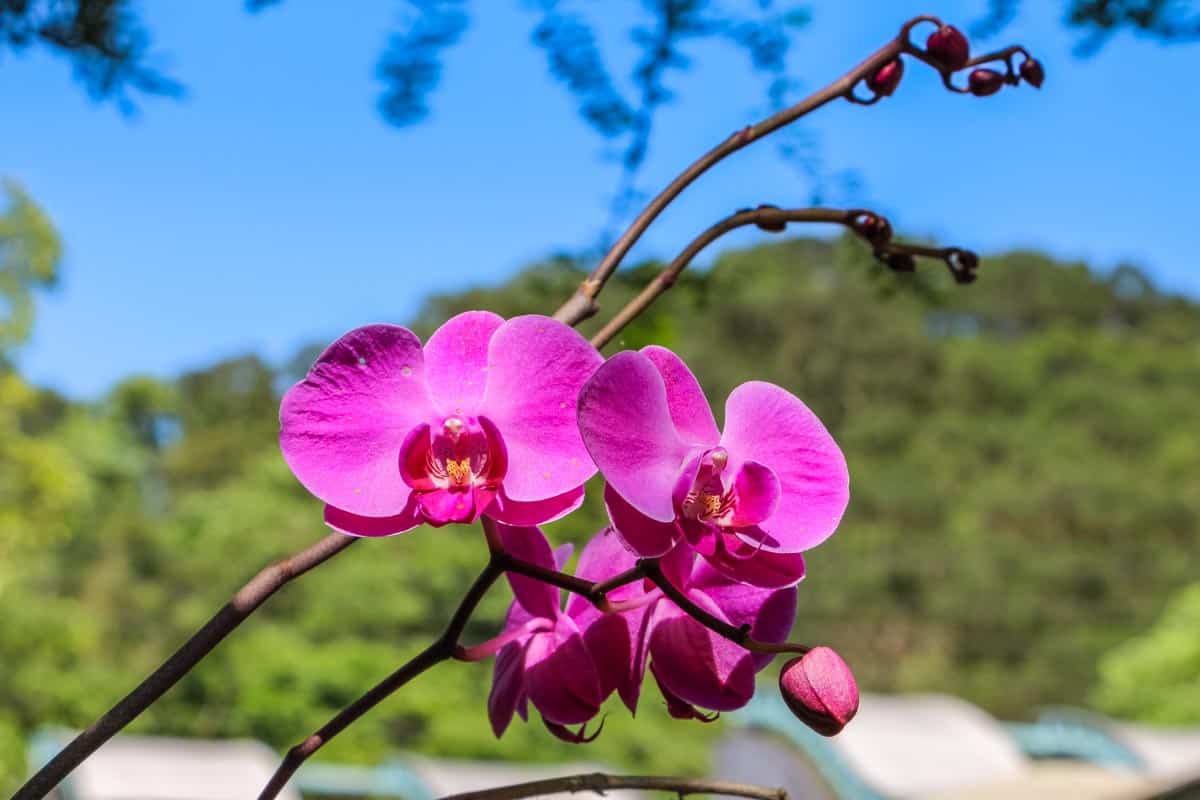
[948,51]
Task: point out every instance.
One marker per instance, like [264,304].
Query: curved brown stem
[867,225]
[600,783]
[582,304]
[243,604]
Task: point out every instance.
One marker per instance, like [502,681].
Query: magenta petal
[647,537]
[507,686]
[512,512]
[697,665]
[344,522]
[690,410]
[762,569]
[456,361]
[569,736]
[342,426]
[626,424]
[442,506]
[676,707]
[757,491]
[560,677]
[529,544]
[770,613]
[602,558]
[767,424]
[536,367]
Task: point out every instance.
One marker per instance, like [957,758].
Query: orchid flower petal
[560,677]
[342,426]
[536,367]
[647,537]
[760,568]
[767,424]
[770,613]
[512,512]
[508,682]
[756,490]
[677,708]
[456,361]
[343,521]
[529,544]
[626,424]
[690,409]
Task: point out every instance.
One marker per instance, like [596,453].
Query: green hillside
[1023,457]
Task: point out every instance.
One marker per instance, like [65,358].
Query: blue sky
[272,207]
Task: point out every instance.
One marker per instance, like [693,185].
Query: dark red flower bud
[820,690]
[948,47]
[885,79]
[1033,73]
[984,82]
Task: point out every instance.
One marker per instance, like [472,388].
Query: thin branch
[582,304]
[232,614]
[867,225]
[600,783]
[442,649]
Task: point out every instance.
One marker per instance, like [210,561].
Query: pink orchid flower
[482,419]
[749,499]
[566,663]
[696,667]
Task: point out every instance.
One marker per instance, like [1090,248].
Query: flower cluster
[507,420]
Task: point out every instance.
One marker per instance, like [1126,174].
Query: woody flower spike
[480,420]
[748,499]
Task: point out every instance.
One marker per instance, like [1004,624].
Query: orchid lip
[462,456]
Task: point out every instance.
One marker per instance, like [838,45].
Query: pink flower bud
[1033,72]
[885,79]
[820,690]
[948,47]
[984,82]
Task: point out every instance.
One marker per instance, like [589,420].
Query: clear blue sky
[273,207]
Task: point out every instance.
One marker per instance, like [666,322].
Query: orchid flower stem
[232,614]
[867,225]
[442,649]
[582,304]
[601,783]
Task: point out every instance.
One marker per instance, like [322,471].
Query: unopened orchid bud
[1033,73]
[820,690]
[948,47]
[984,82]
[885,79]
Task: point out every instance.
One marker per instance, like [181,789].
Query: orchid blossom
[480,420]
[748,499]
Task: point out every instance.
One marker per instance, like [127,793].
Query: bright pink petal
[695,664]
[560,677]
[512,512]
[354,525]
[342,426]
[647,537]
[536,367]
[690,410]
[456,361]
[767,424]
[770,613]
[757,491]
[676,707]
[529,544]
[760,568]
[626,424]
[442,506]
[508,682]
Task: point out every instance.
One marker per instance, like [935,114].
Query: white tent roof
[152,768]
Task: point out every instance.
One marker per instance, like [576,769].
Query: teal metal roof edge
[769,713]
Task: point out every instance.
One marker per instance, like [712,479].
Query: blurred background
[198,197]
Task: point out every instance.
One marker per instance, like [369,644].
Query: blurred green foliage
[1023,459]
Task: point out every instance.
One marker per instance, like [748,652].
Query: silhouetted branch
[867,225]
[582,304]
[600,783]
